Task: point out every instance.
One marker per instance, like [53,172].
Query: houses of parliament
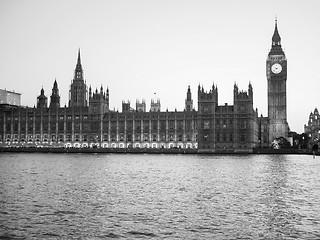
[87,121]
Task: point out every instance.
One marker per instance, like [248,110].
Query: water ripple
[159,196]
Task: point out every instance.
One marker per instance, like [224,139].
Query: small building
[312,129]
[10,98]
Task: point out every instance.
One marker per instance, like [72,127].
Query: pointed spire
[276,48]
[250,90]
[276,37]
[55,98]
[55,89]
[189,98]
[79,58]
[235,87]
[78,72]
[90,92]
[55,84]
[79,66]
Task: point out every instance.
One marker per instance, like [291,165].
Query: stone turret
[207,101]
[42,100]
[55,97]
[98,101]
[189,101]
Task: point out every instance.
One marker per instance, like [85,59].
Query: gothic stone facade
[88,121]
[277,93]
[89,127]
[226,128]
[312,129]
[212,128]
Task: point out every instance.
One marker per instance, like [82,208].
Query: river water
[123,196]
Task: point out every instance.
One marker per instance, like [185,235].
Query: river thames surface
[123,196]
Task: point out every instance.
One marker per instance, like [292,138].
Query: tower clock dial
[276,68]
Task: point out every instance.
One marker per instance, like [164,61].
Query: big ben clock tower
[277,93]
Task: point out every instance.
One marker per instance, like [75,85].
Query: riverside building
[312,128]
[87,121]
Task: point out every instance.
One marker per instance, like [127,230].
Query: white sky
[137,48]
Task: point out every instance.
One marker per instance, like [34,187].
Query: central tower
[78,88]
[277,93]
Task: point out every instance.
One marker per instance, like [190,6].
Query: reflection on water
[287,192]
[159,196]
[277,191]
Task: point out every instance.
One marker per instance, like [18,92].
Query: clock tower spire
[276,39]
[277,92]
[276,42]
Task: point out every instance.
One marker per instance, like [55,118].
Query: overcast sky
[138,48]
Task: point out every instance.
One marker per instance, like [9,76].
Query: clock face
[276,68]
